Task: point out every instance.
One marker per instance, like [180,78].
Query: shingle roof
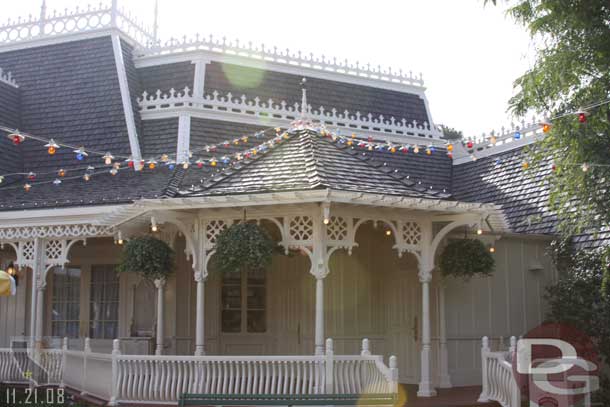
[69,92]
[11,159]
[167,76]
[501,179]
[308,161]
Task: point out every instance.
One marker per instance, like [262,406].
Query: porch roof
[495,218]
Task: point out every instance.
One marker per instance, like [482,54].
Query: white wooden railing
[499,382]
[162,105]
[147,379]
[22,365]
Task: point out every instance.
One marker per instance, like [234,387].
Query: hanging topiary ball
[466,258]
[243,246]
[148,256]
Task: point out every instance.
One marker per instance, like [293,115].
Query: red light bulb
[582,117]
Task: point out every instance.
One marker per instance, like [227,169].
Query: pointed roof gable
[308,161]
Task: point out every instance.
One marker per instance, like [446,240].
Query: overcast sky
[468,54]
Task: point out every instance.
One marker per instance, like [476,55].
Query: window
[104,303]
[244,302]
[65,319]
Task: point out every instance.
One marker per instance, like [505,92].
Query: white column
[445,379]
[39,315]
[319,269]
[319,337]
[34,308]
[200,315]
[425,385]
[160,284]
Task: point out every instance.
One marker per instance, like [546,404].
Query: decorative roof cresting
[56,23]
[109,16]
[7,77]
[287,57]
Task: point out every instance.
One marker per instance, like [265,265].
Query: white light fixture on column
[326,213]
[119,238]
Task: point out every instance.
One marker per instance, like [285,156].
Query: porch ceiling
[280,200]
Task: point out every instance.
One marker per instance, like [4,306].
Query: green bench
[287,399]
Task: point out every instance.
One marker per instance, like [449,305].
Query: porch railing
[142,379]
[499,383]
[22,365]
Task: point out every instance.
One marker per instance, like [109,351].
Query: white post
[64,361]
[319,269]
[366,350]
[319,336]
[200,315]
[445,379]
[425,384]
[160,283]
[394,374]
[37,279]
[484,397]
[43,18]
[113,13]
[329,384]
[116,352]
[86,351]
[39,314]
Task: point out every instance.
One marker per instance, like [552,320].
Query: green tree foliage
[450,133]
[572,70]
[576,299]
[148,256]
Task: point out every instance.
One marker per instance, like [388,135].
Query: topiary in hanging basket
[243,246]
[466,258]
[148,256]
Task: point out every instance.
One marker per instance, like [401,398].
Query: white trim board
[193,56]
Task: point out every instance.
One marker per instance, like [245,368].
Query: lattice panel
[336,229]
[28,251]
[213,229]
[54,232]
[54,250]
[301,228]
[411,233]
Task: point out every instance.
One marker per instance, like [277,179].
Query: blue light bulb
[517,135]
[172,166]
[80,157]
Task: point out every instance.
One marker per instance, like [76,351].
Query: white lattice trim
[59,231]
[337,229]
[212,230]
[411,233]
[300,229]
[175,101]
[75,21]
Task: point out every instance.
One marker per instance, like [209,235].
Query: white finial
[156,22]
[43,10]
[304,98]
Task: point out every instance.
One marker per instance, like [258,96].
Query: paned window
[65,313]
[244,302]
[104,303]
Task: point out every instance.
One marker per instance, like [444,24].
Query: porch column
[160,284]
[319,269]
[445,379]
[38,287]
[425,385]
[200,323]
[319,339]
[39,314]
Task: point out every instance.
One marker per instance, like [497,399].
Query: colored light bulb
[582,117]
[449,147]
[469,144]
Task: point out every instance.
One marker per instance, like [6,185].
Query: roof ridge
[313,147]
